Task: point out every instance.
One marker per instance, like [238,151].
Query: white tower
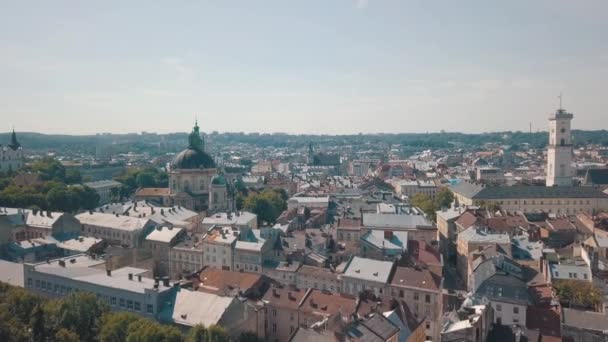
[559,151]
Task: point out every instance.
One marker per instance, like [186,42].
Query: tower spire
[560,101]
[14,142]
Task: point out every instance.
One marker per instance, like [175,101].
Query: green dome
[191,158]
[218,180]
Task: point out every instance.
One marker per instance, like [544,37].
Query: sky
[326,66]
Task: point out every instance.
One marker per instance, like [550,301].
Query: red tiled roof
[424,253]
[214,280]
[418,278]
[327,303]
[285,297]
[466,220]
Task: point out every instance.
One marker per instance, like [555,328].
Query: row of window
[66,290]
[427,297]
[573,275]
[515,309]
[550,202]
[187,256]
[247,267]
[106,233]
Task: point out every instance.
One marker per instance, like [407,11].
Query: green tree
[115,325]
[197,333]
[217,333]
[37,325]
[50,169]
[64,335]
[443,198]
[145,180]
[59,199]
[249,337]
[267,205]
[148,331]
[81,313]
[73,176]
[424,203]
[578,293]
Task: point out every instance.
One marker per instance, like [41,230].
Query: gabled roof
[416,278]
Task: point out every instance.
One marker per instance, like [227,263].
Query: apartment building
[114,228]
[218,247]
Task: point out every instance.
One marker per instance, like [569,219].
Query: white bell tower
[559,151]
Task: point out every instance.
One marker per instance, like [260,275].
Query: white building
[186,257]
[241,219]
[249,253]
[122,289]
[366,274]
[114,228]
[559,151]
[159,242]
[218,247]
[104,189]
[309,202]
[176,216]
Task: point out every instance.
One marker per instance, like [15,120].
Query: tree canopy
[578,293]
[267,205]
[80,316]
[443,199]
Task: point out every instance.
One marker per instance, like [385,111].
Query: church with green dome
[195,181]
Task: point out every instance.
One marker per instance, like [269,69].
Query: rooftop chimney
[139,278]
[130,276]
[109,272]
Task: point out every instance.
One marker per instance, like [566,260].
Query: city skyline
[341,67]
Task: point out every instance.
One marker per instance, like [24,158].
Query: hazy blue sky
[327,66]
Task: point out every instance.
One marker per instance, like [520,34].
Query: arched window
[186,185]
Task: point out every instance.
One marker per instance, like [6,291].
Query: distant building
[559,200]
[194,180]
[11,156]
[489,175]
[104,189]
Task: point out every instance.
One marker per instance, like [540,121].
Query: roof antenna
[560,102]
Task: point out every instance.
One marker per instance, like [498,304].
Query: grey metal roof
[395,221]
[506,288]
[466,189]
[520,191]
[369,269]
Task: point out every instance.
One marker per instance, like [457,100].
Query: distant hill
[38,141]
